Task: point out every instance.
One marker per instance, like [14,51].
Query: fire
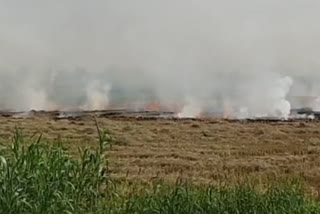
[153,106]
[161,106]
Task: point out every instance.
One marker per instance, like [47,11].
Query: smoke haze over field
[249,56]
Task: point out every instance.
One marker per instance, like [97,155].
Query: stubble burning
[240,60]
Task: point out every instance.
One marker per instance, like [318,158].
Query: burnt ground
[203,151]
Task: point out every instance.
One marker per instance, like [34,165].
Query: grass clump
[246,199]
[36,177]
[43,178]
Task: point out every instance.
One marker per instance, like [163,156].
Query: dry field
[203,151]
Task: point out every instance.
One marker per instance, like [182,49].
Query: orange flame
[153,106]
[159,106]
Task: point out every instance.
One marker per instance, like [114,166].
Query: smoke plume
[244,58]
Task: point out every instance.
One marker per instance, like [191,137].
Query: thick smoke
[244,58]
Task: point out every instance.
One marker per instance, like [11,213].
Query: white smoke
[243,113]
[316,104]
[97,97]
[244,52]
[282,106]
[191,109]
[269,99]
[35,100]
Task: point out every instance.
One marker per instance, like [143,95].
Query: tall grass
[183,198]
[37,177]
[43,178]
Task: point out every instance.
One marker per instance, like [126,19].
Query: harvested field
[205,151]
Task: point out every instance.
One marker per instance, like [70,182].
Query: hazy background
[249,56]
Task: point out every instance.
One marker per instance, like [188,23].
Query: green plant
[185,198]
[38,177]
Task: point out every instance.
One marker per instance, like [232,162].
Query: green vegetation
[43,178]
[241,199]
[39,177]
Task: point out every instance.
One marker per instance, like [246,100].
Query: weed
[44,178]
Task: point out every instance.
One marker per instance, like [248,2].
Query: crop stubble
[204,151]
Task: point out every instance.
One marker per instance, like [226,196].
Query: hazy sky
[187,50]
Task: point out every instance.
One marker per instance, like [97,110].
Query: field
[201,152]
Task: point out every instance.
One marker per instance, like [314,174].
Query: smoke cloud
[246,58]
